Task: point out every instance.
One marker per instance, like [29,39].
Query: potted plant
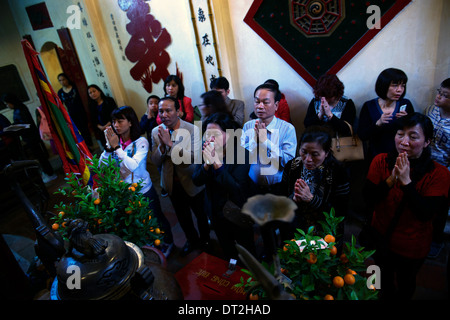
[112,206]
[313,268]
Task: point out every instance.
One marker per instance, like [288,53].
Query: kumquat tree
[313,268]
[115,207]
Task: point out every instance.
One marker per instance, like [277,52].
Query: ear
[276,105]
[427,143]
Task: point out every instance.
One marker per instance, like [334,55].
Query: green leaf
[353,295]
[308,283]
[247,272]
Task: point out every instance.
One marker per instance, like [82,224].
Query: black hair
[175,101]
[153,97]
[271,88]
[223,120]
[416,118]
[127,112]
[102,94]
[214,101]
[13,99]
[386,78]
[180,93]
[219,83]
[65,76]
[272,82]
[424,163]
[446,83]
[320,134]
[324,137]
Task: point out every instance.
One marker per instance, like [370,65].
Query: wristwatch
[112,149]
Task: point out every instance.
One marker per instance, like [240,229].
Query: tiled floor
[14,224]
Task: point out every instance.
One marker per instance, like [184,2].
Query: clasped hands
[401,171]
[211,156]
[164,138]
[260,131]
[302,193]
[112,137]
[325,109]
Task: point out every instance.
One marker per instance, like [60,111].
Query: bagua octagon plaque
[319,36]
[316,18]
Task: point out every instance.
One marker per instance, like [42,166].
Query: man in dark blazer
[176,144]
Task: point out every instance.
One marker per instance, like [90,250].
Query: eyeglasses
[443,95]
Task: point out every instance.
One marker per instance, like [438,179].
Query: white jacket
[133,167]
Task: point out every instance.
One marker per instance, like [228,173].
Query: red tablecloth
[206,278]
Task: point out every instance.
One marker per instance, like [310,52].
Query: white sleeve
[132,163]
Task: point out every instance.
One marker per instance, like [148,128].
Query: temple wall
[415,41]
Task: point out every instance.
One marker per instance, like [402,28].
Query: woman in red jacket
[408,184]
[173,87]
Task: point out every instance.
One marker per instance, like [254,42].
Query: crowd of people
[407,155]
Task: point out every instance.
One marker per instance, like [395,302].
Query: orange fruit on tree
[312,258]
[157,231]
[128,210]
[349,279]
[61,214]
[338,282]
[343,258]
[157,242]
[55,226]
[253,296]
[132,189]
[333,250]
[134,184]
[350,271]
[329,238]
[97,201]
[328,297]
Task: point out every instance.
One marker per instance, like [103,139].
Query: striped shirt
[440,145]
[269,158]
